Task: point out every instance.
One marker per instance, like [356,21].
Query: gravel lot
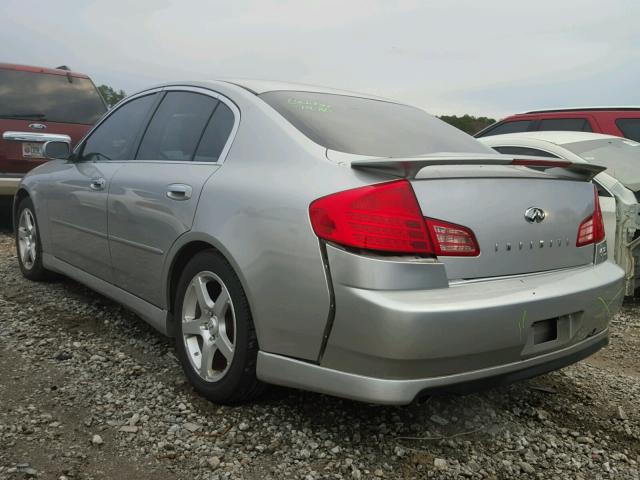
[87,390]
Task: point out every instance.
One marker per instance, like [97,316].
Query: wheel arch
[184,250]
[20,195]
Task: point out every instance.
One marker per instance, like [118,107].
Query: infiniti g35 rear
[325,240]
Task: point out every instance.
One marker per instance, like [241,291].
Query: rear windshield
[619,155]
[364,126]
[47,97]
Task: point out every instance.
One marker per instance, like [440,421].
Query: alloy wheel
[27,238]
[208,326]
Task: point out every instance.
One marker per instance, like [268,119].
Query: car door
[77,195]
[153,198]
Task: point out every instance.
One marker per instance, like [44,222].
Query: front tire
[28,244]
[216,341]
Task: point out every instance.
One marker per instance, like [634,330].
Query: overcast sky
[491,57]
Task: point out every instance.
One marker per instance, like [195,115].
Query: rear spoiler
[409,167]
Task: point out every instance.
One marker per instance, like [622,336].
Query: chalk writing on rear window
[309,105]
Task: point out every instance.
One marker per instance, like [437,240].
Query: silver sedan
[324,240]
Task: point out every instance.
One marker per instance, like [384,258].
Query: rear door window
[630,127]
[515,126]
[215,135]
[114,138]
[49,97]
[177,126]
[525,151]
[565,124]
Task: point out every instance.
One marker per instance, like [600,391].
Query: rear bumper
[9,184]
[397,333]
[297,374]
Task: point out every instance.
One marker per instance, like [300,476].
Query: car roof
[50,71]
[262,86]
[557,137]
[583,109]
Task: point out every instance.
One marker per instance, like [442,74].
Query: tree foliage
[110,95]
[468,123]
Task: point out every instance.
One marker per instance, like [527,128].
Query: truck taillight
[591,229]
[386,217]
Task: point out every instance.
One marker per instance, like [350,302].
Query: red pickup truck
[618,121]
[35,102]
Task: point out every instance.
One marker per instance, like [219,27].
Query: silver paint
[399,324]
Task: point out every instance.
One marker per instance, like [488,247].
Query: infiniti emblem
[37,126]
[534,215]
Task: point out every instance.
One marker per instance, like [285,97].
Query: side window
[216,134]
[525,151]
[114,138]
[602,192]
[176,127]
[630,127]
[571,124]
[515,126]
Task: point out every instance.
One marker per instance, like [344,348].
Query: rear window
[370,127]
[515,126]
[630,127]
[47,97]
[565,124]
[619,155]
[524,151]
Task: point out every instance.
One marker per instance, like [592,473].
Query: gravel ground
[87,390]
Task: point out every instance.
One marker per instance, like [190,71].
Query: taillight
[383,217]
[591,229]
[451,239]
[386,217]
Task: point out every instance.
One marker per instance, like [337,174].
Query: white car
[618,187]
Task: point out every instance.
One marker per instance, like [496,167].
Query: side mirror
[56,150]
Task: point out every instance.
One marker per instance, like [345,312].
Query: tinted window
[47,97]
[515,126]
[369,127]
[176,127]
[630,127]
[525,151]
[216,134]
[114,138]
[602,192]
[572,124]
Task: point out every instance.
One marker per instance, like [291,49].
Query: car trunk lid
[490,196]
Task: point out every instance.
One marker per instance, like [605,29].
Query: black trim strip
[332,300]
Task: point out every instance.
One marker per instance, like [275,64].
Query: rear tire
[216,341]
[28,244]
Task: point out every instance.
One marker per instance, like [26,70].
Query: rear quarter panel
[254,209]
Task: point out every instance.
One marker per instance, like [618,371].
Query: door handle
[179,191]
[98,184]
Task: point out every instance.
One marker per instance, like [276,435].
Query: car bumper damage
[402,330]
[627,243]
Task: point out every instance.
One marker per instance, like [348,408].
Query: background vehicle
[618,186]
[618,121]
[36,102]
[320,239]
